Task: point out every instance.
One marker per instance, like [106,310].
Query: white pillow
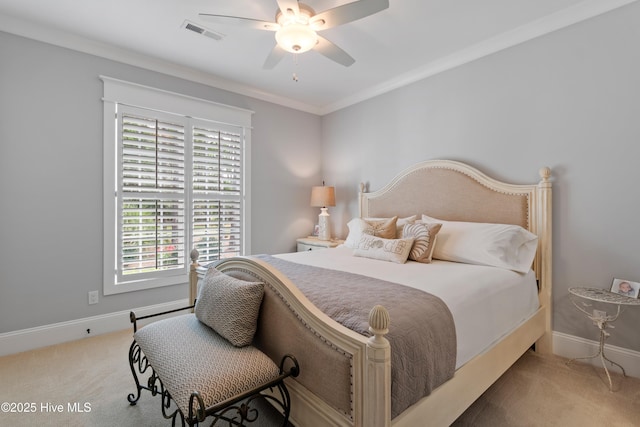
[394,250]
[498,245]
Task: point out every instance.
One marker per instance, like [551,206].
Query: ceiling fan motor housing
[297,25]
[295,34]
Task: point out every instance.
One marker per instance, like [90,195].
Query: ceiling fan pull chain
[295,65]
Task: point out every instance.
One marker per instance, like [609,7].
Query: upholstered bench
[204,361]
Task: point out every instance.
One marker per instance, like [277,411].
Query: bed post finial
[545,173]
[194,256]
[193,275]
[377,402]
[378,326]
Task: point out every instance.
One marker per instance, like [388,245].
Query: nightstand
[601,319]
[313,243]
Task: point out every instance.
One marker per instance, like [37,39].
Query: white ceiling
[410,40]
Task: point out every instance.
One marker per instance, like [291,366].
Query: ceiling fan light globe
[296,38]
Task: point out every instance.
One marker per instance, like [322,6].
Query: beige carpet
[93,375]
[544,391]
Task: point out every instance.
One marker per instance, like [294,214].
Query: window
[176,175]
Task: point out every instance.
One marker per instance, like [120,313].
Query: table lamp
[322,197]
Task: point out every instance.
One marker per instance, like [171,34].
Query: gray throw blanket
[421,333]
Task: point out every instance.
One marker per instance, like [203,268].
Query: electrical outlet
[599,314]
[93,297]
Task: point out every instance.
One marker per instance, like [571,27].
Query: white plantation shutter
[152,154]
[217,184]
[151,185]
[153,237]
[172,182]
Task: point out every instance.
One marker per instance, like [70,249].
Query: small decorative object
[625,287]
[316,230]
[322,197]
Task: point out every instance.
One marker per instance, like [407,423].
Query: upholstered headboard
[446,191]
[455,191]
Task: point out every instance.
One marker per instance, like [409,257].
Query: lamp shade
[322,196]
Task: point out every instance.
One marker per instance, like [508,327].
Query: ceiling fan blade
[346,13]
[256,24]
[274,57]
[286,5]
[333,52]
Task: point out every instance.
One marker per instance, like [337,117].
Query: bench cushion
[189,356]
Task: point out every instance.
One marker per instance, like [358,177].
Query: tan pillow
[394,250]
[424,236]
[401,222]
[385,228]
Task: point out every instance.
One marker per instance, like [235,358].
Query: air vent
[191,26]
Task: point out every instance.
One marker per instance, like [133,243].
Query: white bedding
[486,302]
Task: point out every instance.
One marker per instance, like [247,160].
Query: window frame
[192,110]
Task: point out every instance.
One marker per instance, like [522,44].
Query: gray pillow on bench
[229,306]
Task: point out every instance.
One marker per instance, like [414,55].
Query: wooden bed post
[193,276]
[544,230]
[360,199]
[377,396]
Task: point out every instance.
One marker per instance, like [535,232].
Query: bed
[346,376]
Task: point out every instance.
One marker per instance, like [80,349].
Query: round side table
[601,321]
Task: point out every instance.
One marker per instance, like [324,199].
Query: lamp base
[324,225]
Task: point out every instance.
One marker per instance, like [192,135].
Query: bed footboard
[345,377]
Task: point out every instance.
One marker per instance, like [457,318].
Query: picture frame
[625,287]
[316,231]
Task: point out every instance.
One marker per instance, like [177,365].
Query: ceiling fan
[296,26]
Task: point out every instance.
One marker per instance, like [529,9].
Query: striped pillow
[424,242]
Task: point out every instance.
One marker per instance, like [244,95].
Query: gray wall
[569,100]
[51,180]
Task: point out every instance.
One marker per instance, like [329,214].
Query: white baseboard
[42,336]
[570,346]
[564,345]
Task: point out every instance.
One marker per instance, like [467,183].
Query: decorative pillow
[394,250]
[424,235]
[400,223]
[384,227]
[229,306]
[498,245]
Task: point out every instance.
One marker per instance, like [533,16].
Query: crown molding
[63,39]
[550,23]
